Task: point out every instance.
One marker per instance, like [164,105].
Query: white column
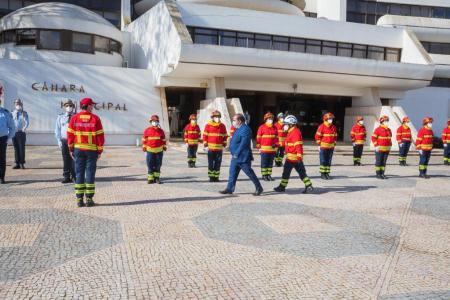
[217,89]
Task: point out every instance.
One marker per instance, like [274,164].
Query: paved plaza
[355,237]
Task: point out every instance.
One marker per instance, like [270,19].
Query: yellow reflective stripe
[322,144]
[192,131]
[385,137]
[359,142]
[428,136]
[192,140]
[70,130]
[267,148]
[217,134]
[154,149]
[87,147]
[293,156]
[152,138]
[294,144]
[331,134]
[385,148]
[268,136]
[426,145]
[215,146]
[87,133]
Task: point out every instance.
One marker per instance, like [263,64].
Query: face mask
[386,123]
[18,107]
[286,127]
[330,121]
[193,122]
[216,119]
[69,109]
[269,121]
[235,124]
[361,122]
[155,124]
[430,125]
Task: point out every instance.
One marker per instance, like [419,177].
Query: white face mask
[155,124]
[269,121]
[18,107]
[430,125]
[286,127]
[236,124]
[330,121]
[69,109]
[361,122]
[193,122]
[386,123]
[216,119]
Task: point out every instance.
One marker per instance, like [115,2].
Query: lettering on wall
[57,87]
[108,106]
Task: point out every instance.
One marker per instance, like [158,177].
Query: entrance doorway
[309,109]
[181,103]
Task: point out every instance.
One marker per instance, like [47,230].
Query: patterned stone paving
[354,238]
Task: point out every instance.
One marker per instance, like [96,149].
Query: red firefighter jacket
[424,139]
[358,134]
[192,134]
[382,137]
[85,132]
[267,138]
[154,140]
[215,136]
[446,135]
[326,136]
[404,134]
[281,133]
[294,145]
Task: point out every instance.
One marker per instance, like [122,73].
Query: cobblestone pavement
[356,237]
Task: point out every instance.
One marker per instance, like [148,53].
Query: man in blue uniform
[21,121]
[62,122]
[241,151]
[7,131]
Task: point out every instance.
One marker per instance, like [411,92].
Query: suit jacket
[241,144]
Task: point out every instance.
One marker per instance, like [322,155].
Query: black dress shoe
[258,192]
[66,180]
[280,189]
[226,192]
[16,167]
[2,181]
[22,166]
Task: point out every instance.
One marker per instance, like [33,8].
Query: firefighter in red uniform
[154,144]
[404,139]
[358,136]
[267,143]
[382,140]
[281,136]
[326,137]
[294,156]
[215,139]
[85,139]
[192,136]
[424,143]
[446,143]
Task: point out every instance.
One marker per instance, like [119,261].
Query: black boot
[211,179]
[66,180]
[150,181]
[80,202]
[355,163]
[90,202]
[308,189]
[22,166]
[379,175]
[383,176]
[323,176]
[446,163]
[269,178]
[327,175]
[2,181]
[280,189]
[158,180]
[16,167]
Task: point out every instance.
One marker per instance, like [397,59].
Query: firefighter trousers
[154,162]
[267,163]
[403,151]
[447,153]
[357,153]
[192,153]
[326,156]
[299,167]
[424,161]
[214,163]
[380,162]
[85,168]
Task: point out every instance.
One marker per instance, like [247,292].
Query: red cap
[448,122]
[193,117]
[384,119]
[87,101]
[405,120]
[328,116]
[359,118]
[154,118]
[268,115]
[427,120]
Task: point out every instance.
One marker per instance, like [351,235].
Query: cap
[68,102]
[359,118]
[268,115]
[193,117]
[427,120]
[384,119]
[216,113]
[154,118]
[87,101]
[405,120]
[328,116]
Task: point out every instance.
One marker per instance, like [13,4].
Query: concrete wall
[127,97]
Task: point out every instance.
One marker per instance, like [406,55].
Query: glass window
[351,5]
[447,14]
[280,43]
[297,45]
[246,40]
[425,11]
[263,41]
[329,48]
[405,10]
[26,37]
[359,51]
[416,11]
[371,19]
[206,36]
[396,9]
[9,36]
[82,43]
[101,44]
[115,46]
[345,50]
[438,12]
[382,8]
[49,39]
[227,38]
[313,46]
[371,7]
[375,53]
[15,4]
[355,17]
[393,55]
[426,45]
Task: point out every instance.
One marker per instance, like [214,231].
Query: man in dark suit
[241,151]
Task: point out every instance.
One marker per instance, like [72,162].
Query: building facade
[174,58]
